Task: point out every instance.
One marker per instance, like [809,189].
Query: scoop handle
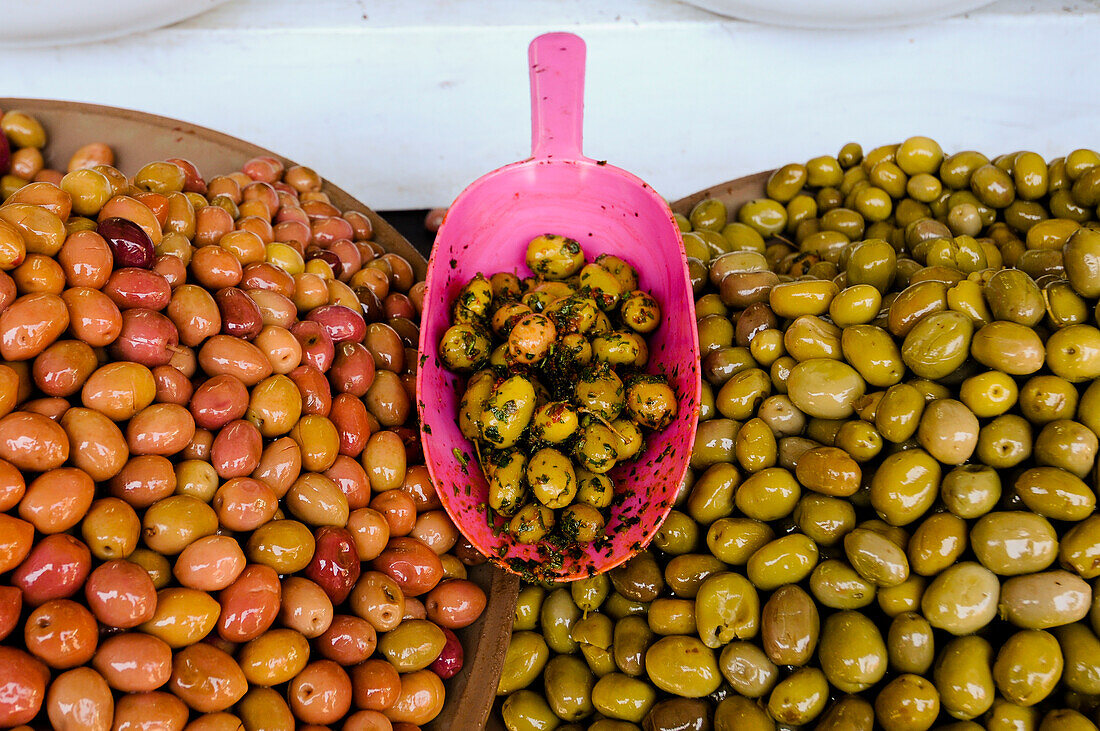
[557,95]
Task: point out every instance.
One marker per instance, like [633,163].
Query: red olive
[450,657]
[335,565]
[55,569]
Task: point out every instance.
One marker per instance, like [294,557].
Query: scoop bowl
[487,230]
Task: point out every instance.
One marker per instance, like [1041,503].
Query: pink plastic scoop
[487,229]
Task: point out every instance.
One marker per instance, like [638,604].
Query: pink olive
[147,337]
[317,347]
[340,321]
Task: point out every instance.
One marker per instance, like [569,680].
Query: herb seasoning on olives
[557,394]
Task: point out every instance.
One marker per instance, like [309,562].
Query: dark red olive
[340,322]
[408,330]
[5,155]
[146,337]
[328,257]
[372,306]
[241,316]
[335,564]
[450,657]
[129,243]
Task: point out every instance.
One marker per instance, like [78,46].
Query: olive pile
[890,516]
[214,512]
[558,396]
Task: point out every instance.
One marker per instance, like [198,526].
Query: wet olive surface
[214,511]
[890,518]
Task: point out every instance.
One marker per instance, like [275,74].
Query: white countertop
[403,103]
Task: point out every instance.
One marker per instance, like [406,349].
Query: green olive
[1013,296]
[789,626]
[595,449]
[531,523]
[651,402]
[1028,667]
[1080,648]
[876,558]
[581,523]
[568,683]
[899,412]
[672,616]
[1005,715]
[711,495]
[554,256]
[593,635]
[907,703]
[852,652]
[1073,353]
[727,607]
[508,411]
[464,348]
[526,710]
[964,677]
[938,344]
[800,697]
[1045,600]
[1012,543]
[622,697]
[826,520]
[873,353]
[640,311]
[848,713]
[768,495]
[594,489]
[1005,441]
[962,599]
[508,482]
[742,237]
[971,491]
[524,660]
[1055,493]
[528,606]
[627,276]
[825,388]
[937,543]
[785,560]
[989,394]
[837,585]
[682,665]
[766,217]
[748,669]
[741,714]
[910,643]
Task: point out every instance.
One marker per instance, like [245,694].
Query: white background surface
[402,103]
